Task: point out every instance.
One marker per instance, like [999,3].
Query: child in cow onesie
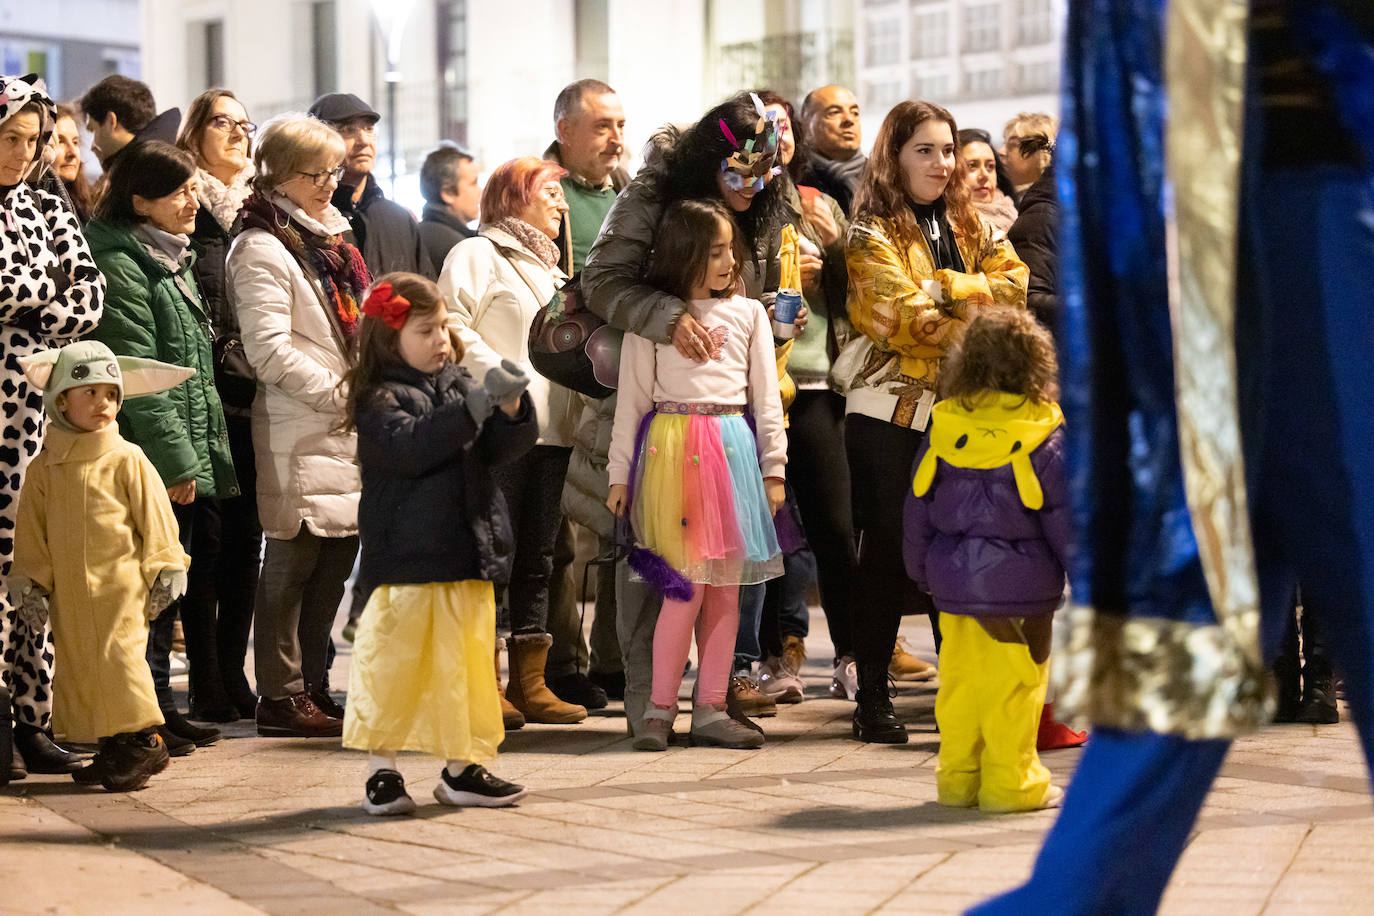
[50,293]
[96,549]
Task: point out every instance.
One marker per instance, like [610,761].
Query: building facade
[984,60]
[484,72]
[72,44]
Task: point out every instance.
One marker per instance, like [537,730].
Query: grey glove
[30,603]
[502,383]
[170,585]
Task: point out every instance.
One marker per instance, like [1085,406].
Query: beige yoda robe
[95,529]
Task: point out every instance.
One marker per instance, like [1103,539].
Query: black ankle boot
[1318,694]
[1288,675]
[41,755]
[6,735]
[874,719]
[177,725]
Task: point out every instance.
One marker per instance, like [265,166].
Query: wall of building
[72,43]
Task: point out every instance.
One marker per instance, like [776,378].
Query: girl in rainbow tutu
[696,463]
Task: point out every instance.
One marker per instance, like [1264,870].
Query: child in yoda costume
[96,547]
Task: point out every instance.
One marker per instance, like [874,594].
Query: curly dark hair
[379,344]
[687,164]
[1003,349]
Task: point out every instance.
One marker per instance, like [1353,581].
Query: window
[983,27]
[1041,76]
[884,42]
[324,43]
[883,95]
[214,53]
[929,35]
[981,84]
[931,87]
[452,33]
[1034,22]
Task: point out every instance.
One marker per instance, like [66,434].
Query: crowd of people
[297,379]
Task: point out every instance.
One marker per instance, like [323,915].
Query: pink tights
[714,612]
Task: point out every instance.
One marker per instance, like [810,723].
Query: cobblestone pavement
[814,822]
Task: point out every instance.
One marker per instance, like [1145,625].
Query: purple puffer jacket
[978,551]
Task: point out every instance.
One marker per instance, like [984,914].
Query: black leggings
[880,459]
[818,472]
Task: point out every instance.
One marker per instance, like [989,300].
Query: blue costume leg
[1137,792]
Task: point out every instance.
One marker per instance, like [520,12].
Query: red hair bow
[384,303]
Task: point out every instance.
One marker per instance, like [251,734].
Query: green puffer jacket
[153,309]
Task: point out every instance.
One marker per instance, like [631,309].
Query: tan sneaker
[907,667]
[793,654]
[746,699]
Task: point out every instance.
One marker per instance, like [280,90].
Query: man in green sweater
[589,122]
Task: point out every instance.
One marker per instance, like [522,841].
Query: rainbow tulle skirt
[697,498]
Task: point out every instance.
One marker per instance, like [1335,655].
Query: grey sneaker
[844,683]
[777,682]
[656,730]
[713,727]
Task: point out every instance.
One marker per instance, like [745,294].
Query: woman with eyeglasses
[219,136]
[140,239]
[296,286]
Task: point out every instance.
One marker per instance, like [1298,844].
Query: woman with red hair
[494,284]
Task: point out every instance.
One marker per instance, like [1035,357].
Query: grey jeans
[299,591]
[637,607]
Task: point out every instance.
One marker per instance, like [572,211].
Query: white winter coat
[307,469]
[494,286]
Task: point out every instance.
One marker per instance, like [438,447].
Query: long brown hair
[682,246]
[1003,349]
[379,344]
[79,189]
[883,191]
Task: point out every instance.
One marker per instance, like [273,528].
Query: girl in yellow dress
[435,537]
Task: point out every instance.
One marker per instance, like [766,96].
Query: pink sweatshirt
[742,370]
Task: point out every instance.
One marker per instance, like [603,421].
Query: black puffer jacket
[430,511]
[1034,235]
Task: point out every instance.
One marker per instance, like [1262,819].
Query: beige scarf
[224,200]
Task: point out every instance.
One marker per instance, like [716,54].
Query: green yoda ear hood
[90,362]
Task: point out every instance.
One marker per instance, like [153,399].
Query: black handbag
[235,380]
[572,346]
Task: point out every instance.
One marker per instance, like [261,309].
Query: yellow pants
[421,676]
[988,710]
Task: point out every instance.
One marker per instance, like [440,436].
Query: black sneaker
[386,794]
[476,787]
[613,682]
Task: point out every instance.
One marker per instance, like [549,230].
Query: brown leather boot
[527,692]
[510,716]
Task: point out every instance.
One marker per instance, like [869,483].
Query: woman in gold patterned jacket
[921,263]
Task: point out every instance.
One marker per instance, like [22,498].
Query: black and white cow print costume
[50,294]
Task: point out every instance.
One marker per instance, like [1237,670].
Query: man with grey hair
[590,125]
[448,181]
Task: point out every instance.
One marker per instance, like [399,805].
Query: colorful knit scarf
[337,264]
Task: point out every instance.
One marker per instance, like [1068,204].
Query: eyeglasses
[321,179]
[228,125]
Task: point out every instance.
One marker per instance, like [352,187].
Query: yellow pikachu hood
[1000,429]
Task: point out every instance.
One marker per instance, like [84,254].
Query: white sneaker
[178,664]
[780,684]
[844,683]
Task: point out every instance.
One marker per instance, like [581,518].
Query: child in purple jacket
[986,529]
